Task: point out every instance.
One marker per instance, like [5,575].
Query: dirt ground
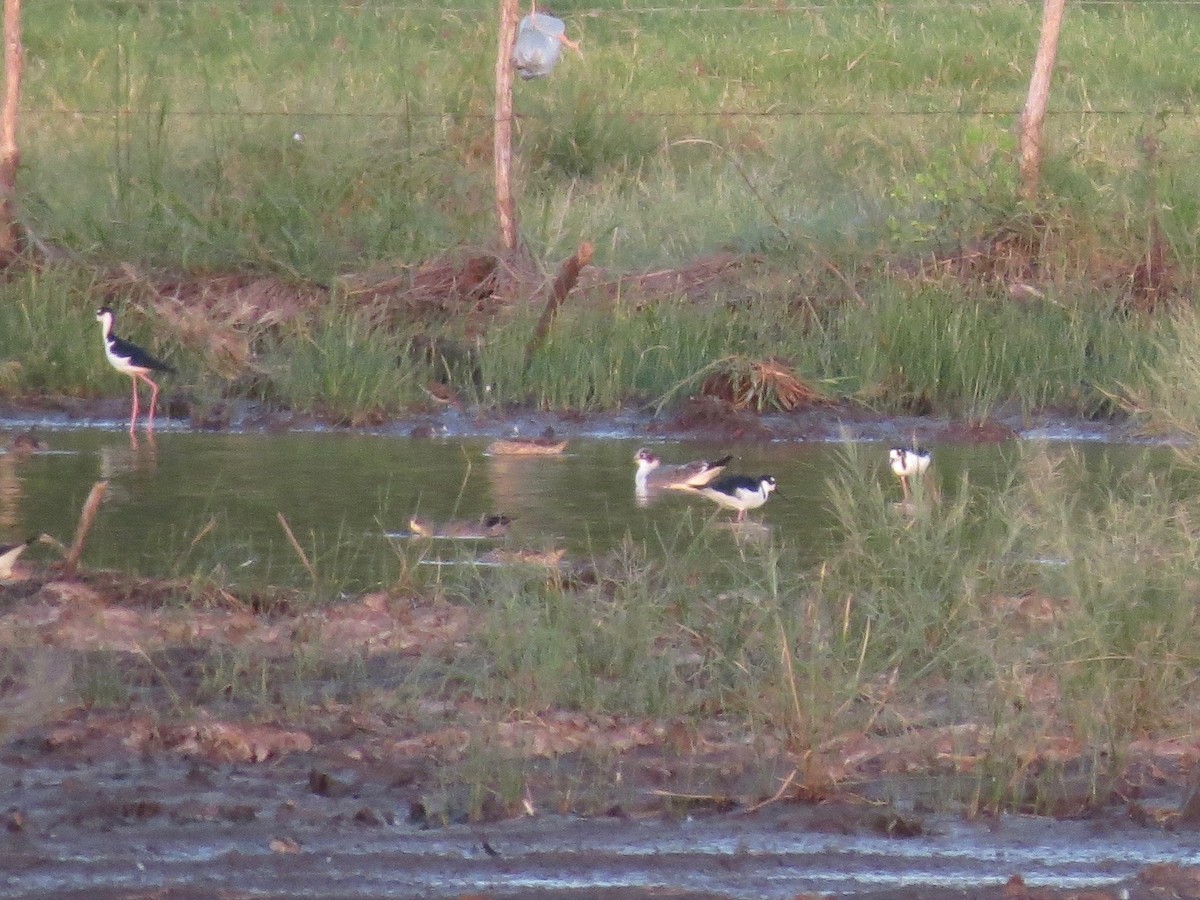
[185,788]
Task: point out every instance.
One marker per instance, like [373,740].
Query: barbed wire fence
[485,16]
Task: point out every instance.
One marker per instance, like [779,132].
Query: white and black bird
[130,359]
[909,463]
[9,554]
[740,492]
[655,475]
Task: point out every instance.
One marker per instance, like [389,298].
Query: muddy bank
[125,827]
[183,790]
[704,420]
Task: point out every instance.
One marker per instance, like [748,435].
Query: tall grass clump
[49,339]
[909,583]
[552,647]
[345,368]
[601,357]
[940,348]
[579,133]
[1169,397]
[612,647]
[1123,569]
[735,648]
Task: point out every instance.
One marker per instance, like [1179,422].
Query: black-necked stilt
[909,463]
[9,554]
[488,527]
[130,359]
[740,492]
[653,474]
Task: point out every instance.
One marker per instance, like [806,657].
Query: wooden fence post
[506,210]
[10,153]
[1033,116]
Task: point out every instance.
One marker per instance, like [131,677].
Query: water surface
[191,502]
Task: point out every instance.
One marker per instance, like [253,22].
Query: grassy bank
[863,155]
[315,139]
[908,349]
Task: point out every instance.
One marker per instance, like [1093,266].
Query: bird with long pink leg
[740,492]
[130,359]
[909,463]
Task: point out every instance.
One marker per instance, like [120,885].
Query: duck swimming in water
[653,474]
[488,527]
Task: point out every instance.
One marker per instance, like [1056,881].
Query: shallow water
[189,503]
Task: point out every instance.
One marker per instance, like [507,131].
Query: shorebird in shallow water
[487,527]
[655,475]
[549,444]
[130,359]
[909,463]
[740,492]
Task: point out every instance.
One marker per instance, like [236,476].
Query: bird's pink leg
[153,400]
[133,416]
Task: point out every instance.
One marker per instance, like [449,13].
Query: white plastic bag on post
[540,39]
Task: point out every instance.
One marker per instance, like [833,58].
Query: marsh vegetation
[289,202]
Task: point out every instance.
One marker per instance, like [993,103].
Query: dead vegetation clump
[439,289]
[760,385]
[695,281]
[223,317]
[1018,258]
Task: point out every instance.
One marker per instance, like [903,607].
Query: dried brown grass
[760,385]
[222,318]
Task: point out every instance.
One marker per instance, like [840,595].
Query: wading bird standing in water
[740,492]
[909,464]
[130,359]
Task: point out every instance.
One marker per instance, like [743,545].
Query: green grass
[345,369]
[932,348]
[1167,399]
[915,617]
[49,339]
[911,348]
[841,143]
[1128,564]
[850,114]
